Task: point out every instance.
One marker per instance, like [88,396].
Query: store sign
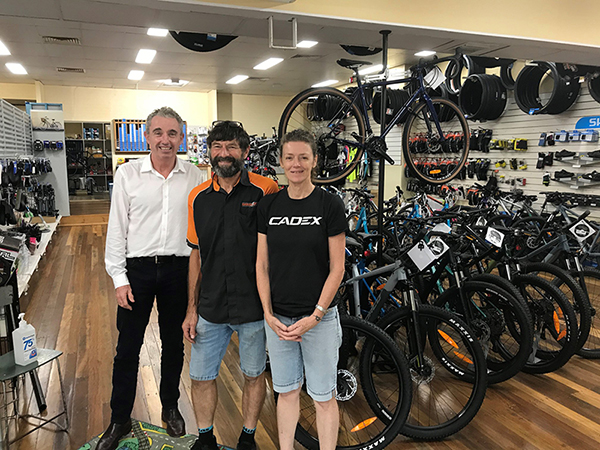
[588,122]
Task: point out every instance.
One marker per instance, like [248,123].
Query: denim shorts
[316,356]
[211,344]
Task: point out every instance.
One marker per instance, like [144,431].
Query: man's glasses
[231,123]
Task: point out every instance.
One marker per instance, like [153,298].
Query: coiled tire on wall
[483,97]
[527,89]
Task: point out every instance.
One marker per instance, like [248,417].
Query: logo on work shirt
[295,221]
[249,204]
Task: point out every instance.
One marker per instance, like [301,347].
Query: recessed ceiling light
[306,44]
[371,69]
[145,56]
[3,50]
[160,32]
[425,53]
[325,83]
[237,79]
[268,63]
[136,75]
[174,82]
[16,68]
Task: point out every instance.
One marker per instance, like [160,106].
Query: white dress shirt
[148,214]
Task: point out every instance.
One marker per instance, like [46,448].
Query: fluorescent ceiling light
[268,63]
[136,75]
[306,44]
[425,53]
[16,68]
[145,56]
[237,79]
[371,69]
[175,82]
[325,83]
[3,50]
[160,32]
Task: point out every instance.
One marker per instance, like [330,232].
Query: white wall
[258,113]
[102,105]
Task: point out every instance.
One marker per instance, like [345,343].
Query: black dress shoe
[113,434]
[210,444]
[175,423]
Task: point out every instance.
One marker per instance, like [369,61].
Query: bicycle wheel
[373,390]
[554,324]
[449,387]
[334,120]
[421,138]
[591,279]
[572,290]
[501,323]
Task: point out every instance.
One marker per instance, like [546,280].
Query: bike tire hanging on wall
[483,97]
[527,89]
[395,100]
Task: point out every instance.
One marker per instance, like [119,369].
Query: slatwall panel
[516,124]
[15,131]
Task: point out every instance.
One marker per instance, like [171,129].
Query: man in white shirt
[147,258]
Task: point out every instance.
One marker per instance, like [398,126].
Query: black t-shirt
[297,236]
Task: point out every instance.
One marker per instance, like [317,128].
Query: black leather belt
[160,259]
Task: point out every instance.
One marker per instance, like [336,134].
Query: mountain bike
[435,129]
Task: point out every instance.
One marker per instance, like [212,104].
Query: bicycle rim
[554,324]
[373,390]
[499,321]
[332,118]
[421,139]
[591,278]
[449,386]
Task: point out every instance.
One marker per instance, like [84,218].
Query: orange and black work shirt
[223,227]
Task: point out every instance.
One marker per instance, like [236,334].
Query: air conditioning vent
[61,40]
[70,70]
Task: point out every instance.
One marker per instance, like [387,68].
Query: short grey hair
[166,112]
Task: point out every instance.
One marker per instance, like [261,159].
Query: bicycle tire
[346,119]
[419,123]
[451,376]
[500,322]
[591,348]
[380,368]
[574,293]
[550,310]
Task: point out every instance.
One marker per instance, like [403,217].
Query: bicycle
[435,129]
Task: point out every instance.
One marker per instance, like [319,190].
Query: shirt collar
[147,165]
[244,179]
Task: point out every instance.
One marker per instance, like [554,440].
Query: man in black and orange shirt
[223,297]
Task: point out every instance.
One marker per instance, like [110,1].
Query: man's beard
[235,166]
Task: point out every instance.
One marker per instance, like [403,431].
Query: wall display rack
[89,156]
[15,130]
[129,136]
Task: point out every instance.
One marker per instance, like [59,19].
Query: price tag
[582,230]
[424,254]
[494,237]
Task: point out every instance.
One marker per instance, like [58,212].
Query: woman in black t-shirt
[300,264]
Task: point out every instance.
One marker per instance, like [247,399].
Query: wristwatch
[320,308]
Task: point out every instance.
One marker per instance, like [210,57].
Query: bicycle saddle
[352,63]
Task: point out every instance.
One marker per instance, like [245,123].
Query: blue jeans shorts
[316,356]
[211,344]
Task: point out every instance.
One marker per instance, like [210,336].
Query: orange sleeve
[192,237]
[267,185]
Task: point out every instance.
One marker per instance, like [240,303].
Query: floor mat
[149,437]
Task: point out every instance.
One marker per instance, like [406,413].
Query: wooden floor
[71,304]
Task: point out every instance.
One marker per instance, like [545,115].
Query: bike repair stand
[380,195]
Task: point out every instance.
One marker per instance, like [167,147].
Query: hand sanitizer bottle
[24,343]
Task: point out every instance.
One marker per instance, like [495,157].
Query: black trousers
[166,280]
